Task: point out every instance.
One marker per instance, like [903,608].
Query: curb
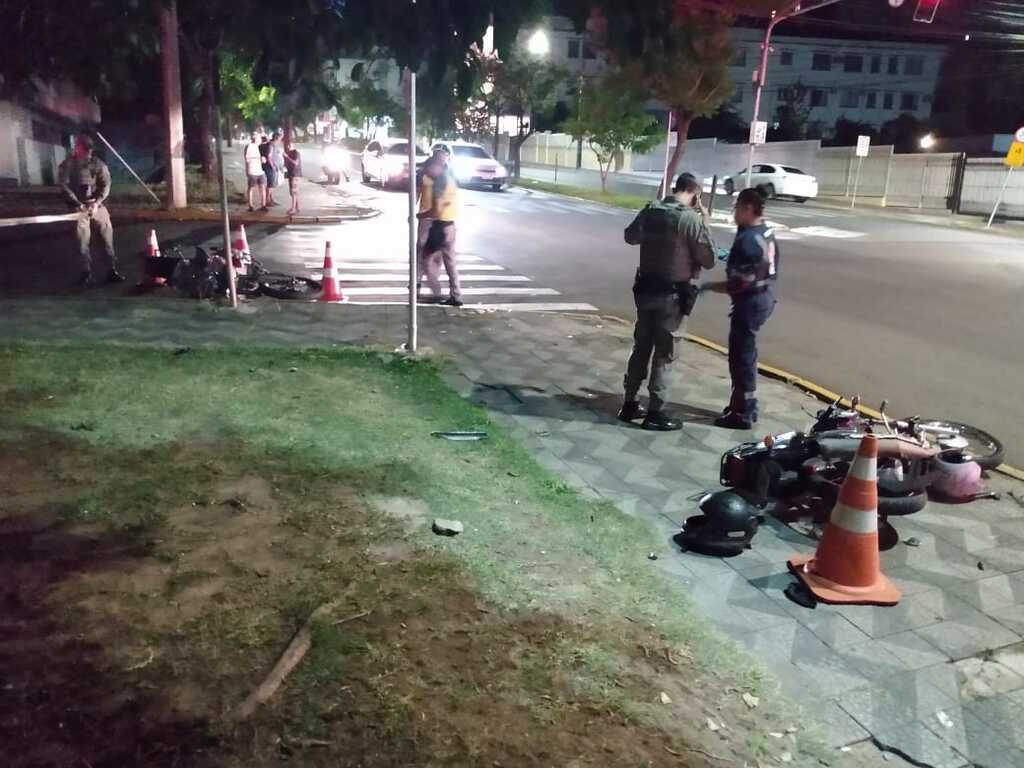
[823,393]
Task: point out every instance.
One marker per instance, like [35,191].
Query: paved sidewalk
[939,678]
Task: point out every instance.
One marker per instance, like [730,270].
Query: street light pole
[796,8]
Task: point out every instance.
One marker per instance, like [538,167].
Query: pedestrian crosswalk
[373,269]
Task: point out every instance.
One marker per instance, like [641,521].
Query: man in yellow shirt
[439,203]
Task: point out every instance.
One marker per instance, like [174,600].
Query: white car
[473,165]
[386,161]
[773,180]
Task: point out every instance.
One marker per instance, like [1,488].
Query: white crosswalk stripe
[385,277]
[391,290]
[400,265]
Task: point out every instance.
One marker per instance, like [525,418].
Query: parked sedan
[387,161]
[773,181]
[473,165]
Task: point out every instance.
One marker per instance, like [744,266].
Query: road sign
[863,146]
[1019,135]
[1015,157]
[758,132]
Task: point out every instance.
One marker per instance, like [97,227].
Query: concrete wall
[983,178]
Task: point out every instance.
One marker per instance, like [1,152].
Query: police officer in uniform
[85,181]
[674,244]
[751,271]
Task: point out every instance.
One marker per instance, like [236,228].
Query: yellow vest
[443,206]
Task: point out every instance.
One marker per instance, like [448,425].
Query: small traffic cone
[331,292]
[240,254]
[846,567]
[151,277]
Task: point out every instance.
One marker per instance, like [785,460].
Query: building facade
[868,81]
[864,80]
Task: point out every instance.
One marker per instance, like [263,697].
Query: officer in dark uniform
[751,271]
[674,244]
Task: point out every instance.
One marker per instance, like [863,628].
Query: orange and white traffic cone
[240,253]
[331,292]
[151,277]
[846,568]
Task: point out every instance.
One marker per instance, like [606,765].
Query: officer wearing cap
[751,273]
[675,244]
[85,181]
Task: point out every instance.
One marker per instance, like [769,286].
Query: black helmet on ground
[724,529]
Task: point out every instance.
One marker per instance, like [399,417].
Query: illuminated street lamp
[927,141]
[538,44]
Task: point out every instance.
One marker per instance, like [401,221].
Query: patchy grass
[630,202]
[170,520]
[200,190]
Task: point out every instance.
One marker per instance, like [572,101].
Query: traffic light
[925,11]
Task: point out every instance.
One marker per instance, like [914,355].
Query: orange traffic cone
[240,254]
[331,291]
[846,567]
[151,276]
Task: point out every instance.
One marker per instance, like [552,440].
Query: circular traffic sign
[1019,135]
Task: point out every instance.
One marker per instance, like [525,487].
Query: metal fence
[983,178]
[937,181]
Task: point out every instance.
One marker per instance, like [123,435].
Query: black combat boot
[631,411]
[659,421]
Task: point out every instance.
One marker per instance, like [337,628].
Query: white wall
[24,159]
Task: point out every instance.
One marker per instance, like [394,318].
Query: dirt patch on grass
[127,643]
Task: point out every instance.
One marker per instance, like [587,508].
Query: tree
[612,120]
[673,52]
[903,132]
[522,86]
[725,125]
[791,115]
[846,132]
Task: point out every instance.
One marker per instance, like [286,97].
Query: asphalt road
[930,318]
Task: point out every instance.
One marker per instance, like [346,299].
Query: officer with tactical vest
[674,244]
[751,271]
[85,182]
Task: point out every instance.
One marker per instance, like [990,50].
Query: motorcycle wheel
[902,504]
[982,447]
[289,287]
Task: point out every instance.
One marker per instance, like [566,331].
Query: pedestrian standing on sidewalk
[292,172]
[277,157]
[268,170]
[751,271]
[439,200]
[675,243]
[85,182]
[256,179]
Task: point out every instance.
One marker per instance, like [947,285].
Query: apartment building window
[913,65]
[574,49]
[788,94]
[849,100]
[908,102]
[588,50]
[821,61]
[739,58]
[894,65]
[819,97]
[887,101]
[853,63]
[786,59]
[876,64]
[871,102]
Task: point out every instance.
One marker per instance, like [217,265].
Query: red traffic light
[925,11]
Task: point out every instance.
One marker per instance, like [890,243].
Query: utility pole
[795,8]
[174,130]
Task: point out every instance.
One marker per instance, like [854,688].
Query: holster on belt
[686,291]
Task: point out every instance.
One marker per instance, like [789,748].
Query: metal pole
[410,344]
[556,166]
[856,183]
[664,186]
[219,135]
[924,177]
[1000,198]
[125,164]
[795,9]
[761,71]
[579,114]
[714,188]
